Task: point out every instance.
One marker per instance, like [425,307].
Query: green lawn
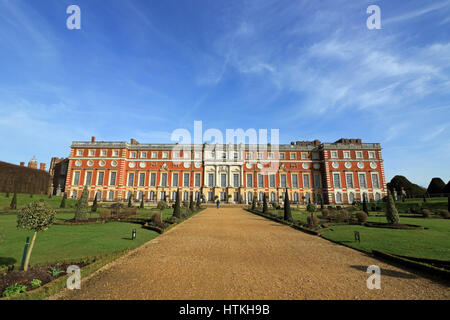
[60,242]
[433,243]
[24,199]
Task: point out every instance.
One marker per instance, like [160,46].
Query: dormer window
[80,153]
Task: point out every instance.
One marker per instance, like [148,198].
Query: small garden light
[133,234]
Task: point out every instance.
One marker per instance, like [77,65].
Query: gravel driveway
[232,254]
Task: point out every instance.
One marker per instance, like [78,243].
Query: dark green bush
[325,213]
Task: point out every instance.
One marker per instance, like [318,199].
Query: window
[249,197]
[371,155]
[334,154]
[163,180]
[338,197]
[223,180]
[152,179]
[151,196]
[359,154]
[198,155]
[306,184]
[249,181]
[307,197]
[248,155]
[143,154]
[377,197]
[101,175]
[210,196]
[130,179]
[260,181]
[236,155]
[141,179]
[175,154]
[317,181]
[347,154]
[74,194]
[165,155]
[272,197]
[186,154]
[154,155]
[196,195]
[236,180]
[294,181]
[133,155]
[103,153]
[224,155]
[140,195]
[175,180]
[293,156]
[88,178]
[111,195]
[163,195]
[272,181]
[174,196]
[185,196]
[112,178]
[375,181]
[197,179]
[304,156]
[211,179]
[129,194]
[283,180]
[186,180]
[79,153]
[349,180]
[282,155]
[260,155]
[337,180]
[76,178]
[315,156]
[351,197]
[91,153]
[236,197]
[362,180]
[295,197]
[115,153]
[270,156]
[99,195]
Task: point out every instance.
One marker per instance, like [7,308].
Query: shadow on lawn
[7,261]
[388,272]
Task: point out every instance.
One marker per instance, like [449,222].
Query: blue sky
[312,69]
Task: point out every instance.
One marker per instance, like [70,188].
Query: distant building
[58,170]
[341,172]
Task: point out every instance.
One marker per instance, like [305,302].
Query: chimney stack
[22,164]
[92,139]
[42,166]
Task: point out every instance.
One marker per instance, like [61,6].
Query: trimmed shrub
[35,216]
[177,206]
[63,201]
[325,213]
[311,207]
[361,216]
[287,208]
[94,204]
[426,213]
[343,216]
[13,204]
[444,214]
[156,219]
[162,205]
[312,221]
[391,211]
[82,208]
[265,210]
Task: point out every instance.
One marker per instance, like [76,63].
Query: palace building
[335,173]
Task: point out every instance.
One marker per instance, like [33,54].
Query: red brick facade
[339,172]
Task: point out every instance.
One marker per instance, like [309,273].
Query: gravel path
[232,254]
